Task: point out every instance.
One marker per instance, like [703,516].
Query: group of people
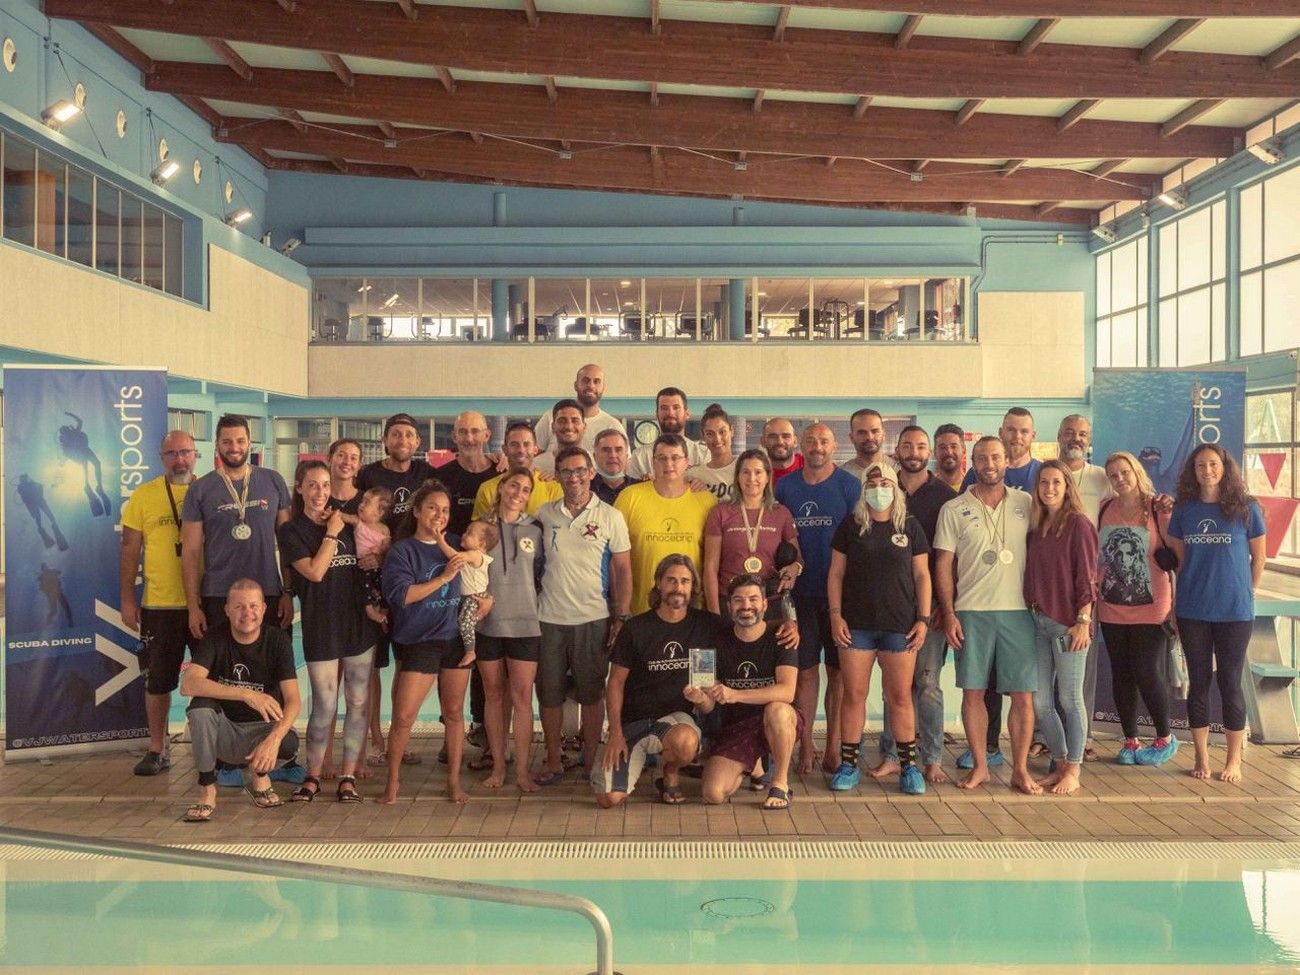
[686,599]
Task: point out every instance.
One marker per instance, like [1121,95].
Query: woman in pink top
[741,537]
[1133,606]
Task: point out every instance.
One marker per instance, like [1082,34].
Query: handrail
[516,896]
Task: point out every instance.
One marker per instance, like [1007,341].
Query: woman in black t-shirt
[322,555]
[878,591]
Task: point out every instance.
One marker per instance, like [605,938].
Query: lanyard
[996,535]
[240,499]
[751,534]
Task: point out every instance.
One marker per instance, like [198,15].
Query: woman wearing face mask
[1060,587]
[878,591]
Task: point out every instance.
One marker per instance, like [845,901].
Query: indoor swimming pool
[688,906]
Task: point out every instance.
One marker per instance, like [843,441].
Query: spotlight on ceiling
[59,113]
[290,245]
[164,171]
[236,217]
[1173,199]
[1103,232]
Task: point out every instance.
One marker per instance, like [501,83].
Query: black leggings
[1215,649]
[1139,656]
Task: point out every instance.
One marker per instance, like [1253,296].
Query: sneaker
[230,778]
[153,763]
[846,777]
[1128,752]
[290,772]
[1157,756]
[477,735]
[966,761]
[911,782]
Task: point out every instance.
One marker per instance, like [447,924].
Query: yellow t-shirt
[659,526]
[148,512]
[543,492]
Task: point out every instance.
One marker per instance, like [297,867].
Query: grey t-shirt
[512,581]
[226,558]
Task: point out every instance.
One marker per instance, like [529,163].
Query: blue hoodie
[408,563]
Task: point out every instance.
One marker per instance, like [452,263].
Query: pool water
[815,910]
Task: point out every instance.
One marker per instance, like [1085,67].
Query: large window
[1270,264]
[1273,454]
[47,203]
[1122,305]
[1193,299]
[641,309]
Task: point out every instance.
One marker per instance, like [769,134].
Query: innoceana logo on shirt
[809,518]
[1207,533]
[745,679]
[674,658]
[670,532]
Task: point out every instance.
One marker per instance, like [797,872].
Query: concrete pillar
[736,298]
[500,310]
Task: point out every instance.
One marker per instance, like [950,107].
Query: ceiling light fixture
[1174,199]
[1266,152]
[59,113]
[164,171]
[392,300]
[290,245]
[236,217]
[364,288]
[1103,232]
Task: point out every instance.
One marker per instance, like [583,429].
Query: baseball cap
[400,419]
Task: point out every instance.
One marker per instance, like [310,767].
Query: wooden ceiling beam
[552,93]
[1043,209]
[654,94]
[288,6]
[1108,167]
[758,101]
[620,48]
[967,111]
[340,69]
[625,167]
[386,128]
[919,165]
[1189,115]
[1284,55]
[1076,113]
[530,11]
[339,164]
[656,13]
[122,47]
[1170,36]
[408,9]
[203,110]
[996,211]
[293,118]
[1013,166]
[230,57]
[1036,35]
[860,108]
[782,21]
[592,115]
[905,33]
[1062,8]
[445,78]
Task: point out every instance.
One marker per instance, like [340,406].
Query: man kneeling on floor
[751,703]
[244,691]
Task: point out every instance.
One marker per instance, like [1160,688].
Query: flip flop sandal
[200,812]
[303,793]
[347,790]
[377,761]
[1037,749]
[410,758]
[669,795]
[783,796]
[265,798]
[550,778]
[1090,755]
[482,763]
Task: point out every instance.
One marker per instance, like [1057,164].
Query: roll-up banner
[77,442]
[1160,416]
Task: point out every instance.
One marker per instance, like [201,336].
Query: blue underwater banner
[1160,416]
[77,442]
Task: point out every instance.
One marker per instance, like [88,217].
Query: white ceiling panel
[1050,107]
[265,56]
[1108,31]
[1255,36]
[170,47]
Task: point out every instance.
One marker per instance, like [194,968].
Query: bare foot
[388,798]
[327,773]
[1067,779]
[887,767]
[1200,771]
[975,779]
[496,780]
[457,795]
[1051,778]
[934,774]
[1231,773]
[526,784]
[363,770]
[1024,782]
[808,761]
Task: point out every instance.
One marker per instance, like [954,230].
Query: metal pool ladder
[516,896]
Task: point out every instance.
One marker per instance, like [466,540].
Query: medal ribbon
[241,499]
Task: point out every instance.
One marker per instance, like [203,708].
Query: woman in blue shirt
[422,587]
[1217,532]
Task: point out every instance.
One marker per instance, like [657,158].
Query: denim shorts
[884,641]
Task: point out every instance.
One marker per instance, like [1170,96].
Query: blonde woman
[1134,602]
[878,592]
[1060,588]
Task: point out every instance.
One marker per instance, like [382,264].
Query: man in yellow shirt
[151,522]
[520,448]
[664,516]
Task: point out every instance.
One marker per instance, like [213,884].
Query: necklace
[753,563]
[243,531]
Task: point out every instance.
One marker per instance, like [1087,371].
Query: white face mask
[879,498]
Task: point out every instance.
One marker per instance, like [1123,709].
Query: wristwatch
[1083,618]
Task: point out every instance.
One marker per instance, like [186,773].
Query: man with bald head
[588,389]
[820,496]
[779,441]
[468,470]
[151,524]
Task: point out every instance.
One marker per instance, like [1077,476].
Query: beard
[233,458]
[913,465]
[1075,451]
[588,398]
[747,617]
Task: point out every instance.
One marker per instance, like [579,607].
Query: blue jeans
[927,700]
[1066,670]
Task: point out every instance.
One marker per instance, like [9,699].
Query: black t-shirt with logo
[878,591]
[748,666]
[333,610]
[260,666]
[463,486]
[655,654]
[924,504]
[403,484]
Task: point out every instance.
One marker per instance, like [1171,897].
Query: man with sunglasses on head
[151,523]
